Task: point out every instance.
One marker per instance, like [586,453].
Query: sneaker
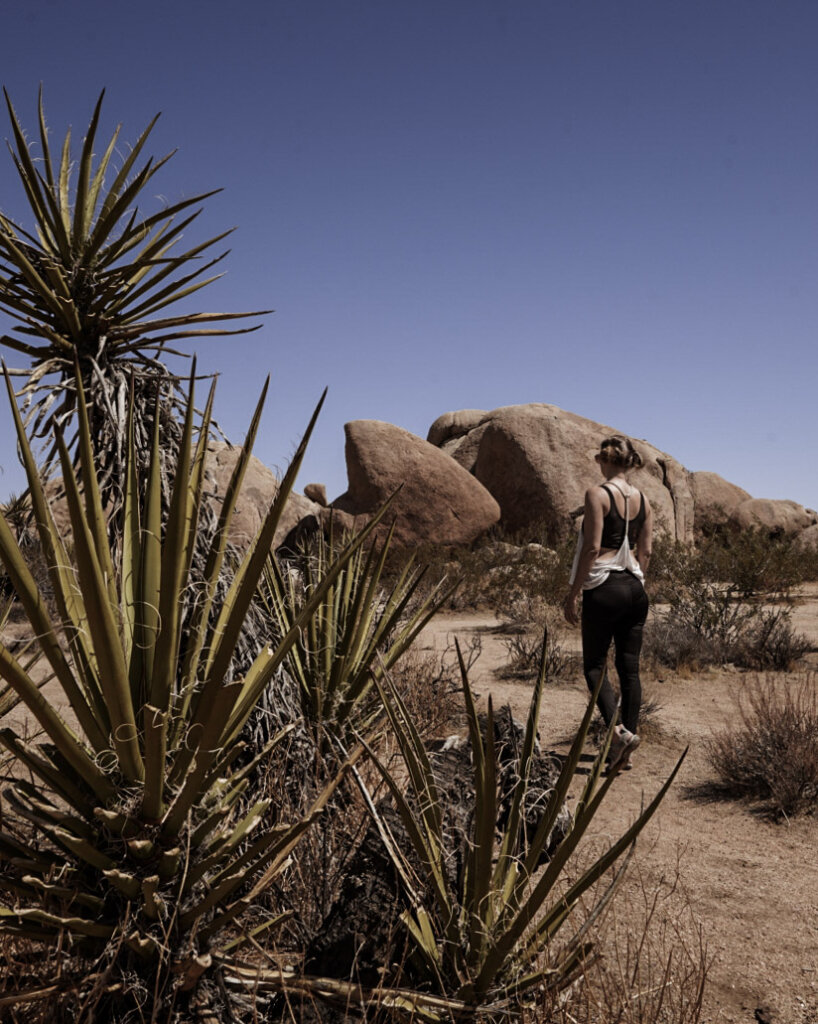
[622,746]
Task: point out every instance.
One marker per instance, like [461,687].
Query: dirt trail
[753,884]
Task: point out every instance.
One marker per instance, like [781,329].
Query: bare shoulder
[597,497]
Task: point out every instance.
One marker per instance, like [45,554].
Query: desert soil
[752,884]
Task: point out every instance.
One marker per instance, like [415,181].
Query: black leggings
[616,610]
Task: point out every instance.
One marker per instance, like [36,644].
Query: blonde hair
[619,451]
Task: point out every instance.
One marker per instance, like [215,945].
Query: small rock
[316,493]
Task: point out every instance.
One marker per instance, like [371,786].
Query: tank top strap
[606,487]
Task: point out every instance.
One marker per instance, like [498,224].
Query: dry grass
[651,965]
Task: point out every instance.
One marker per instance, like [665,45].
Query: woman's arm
[644,542]
[592,542]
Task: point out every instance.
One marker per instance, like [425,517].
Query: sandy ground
[752,884]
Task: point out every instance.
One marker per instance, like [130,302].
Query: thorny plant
[89,284]
[360,629]
[136,835]
[478,938]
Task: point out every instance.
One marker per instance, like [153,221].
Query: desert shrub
[540,573]
[770,753]
[755,562]
[709,624]
[429,685]
[701,626]
[674,566]
[769,641]
[529,622]
[750,562]
[525,652]
[494,572]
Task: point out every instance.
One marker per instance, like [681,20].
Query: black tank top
[613,525]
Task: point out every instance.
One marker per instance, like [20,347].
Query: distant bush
[756,562]
[496,572]
[770,642]
[708,624]
[753,562]
[771,753]
[525,649]
[673,566]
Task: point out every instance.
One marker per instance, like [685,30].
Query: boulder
[808,539]
[438,501]
[452,425]
[777,516]
[714,499]
[256,495]
[538,460]
[464,449]
[317,493]
[331,522]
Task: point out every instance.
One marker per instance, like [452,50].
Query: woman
[614,603]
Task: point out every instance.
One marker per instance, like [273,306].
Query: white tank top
[622,561]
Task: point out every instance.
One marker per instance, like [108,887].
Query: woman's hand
[569,609]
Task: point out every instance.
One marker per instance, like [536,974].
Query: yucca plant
[28,654]
[358,632]
[132,833]
[90,283]
[482,917]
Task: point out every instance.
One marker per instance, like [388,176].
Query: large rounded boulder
[438,502]
[255,497]
[451,426]
[776,516]
[537,461]
[715,499]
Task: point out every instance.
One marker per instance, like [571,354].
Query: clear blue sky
[608,206]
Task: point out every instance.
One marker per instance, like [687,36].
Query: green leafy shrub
[770,754]
[754,561]
[494,572]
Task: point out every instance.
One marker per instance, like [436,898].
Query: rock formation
[537,461]
[775,516]
[316,493]
[256,495]
[437,502]
[714,498]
